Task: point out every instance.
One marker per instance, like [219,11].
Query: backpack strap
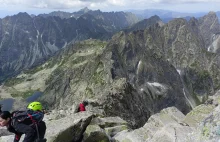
[31,117]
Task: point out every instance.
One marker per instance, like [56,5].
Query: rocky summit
[150,82]
[169,125]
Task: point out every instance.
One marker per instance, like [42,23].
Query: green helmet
[35,106]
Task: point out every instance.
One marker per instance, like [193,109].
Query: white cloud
[55,4]
[110,5]
[62,4]
[184,1]
[117,2]
[52,4]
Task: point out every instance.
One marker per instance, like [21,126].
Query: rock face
[68,129]
[144,24]
[139,72]
[27,41]
[151,84]
[200,125]
[169,125]
[83,126]
[209,27]
[4,132]
[163,126]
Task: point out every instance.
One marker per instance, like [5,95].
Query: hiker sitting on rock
[82,106]
[28,122]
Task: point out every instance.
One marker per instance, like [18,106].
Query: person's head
[5,117]
[36,106]
[85,103]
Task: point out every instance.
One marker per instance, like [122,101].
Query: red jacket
[82,107]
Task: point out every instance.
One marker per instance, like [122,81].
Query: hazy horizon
[8,8]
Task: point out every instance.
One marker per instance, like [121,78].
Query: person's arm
[27,130]
[11,129]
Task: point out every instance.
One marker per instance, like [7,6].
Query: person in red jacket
[82,106]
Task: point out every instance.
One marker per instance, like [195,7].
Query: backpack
[21,116]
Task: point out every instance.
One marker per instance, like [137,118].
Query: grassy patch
[206,131]
[34,70]
[24,95]
[89,93]
[204,74]
[13,81]
[98,78]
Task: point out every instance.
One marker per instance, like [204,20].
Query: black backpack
[33,116]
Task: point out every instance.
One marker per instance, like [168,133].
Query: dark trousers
[32,132]
[42,129]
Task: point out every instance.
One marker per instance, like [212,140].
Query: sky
[11,7]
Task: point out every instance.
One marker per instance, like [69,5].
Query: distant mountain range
[167,15]
[26,40]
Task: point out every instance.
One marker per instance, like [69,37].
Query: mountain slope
[27,41]
[95,72]
[144,24]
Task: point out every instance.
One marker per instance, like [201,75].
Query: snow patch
[156,84]
[214,46]
[187,98]
[139,66]
[179,71]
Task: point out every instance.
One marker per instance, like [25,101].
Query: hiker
[82,106]
[27,122]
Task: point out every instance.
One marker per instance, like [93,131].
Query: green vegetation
[204,74]
[126,140]
[64,60]
[49,64]
[24,95]
[98,78]
[205,131]
[89,93]
[34,70]
[195,98]
[13,81]
[27,94]
[78,60]
[195,64]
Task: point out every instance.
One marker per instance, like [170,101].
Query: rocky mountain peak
[144,24]
[211,17]
[155,17]
[209,26]
[177,22]
[22,15]
[193,21]
[211,13]
[85,10]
